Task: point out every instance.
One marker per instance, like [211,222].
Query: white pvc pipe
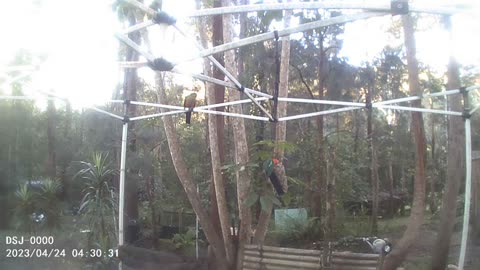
[345,109]
[158,105]
[468,193]
[222,83]
[121,193]
[446,9]
[321,101]
[156,115]
[230,103]
[247,116]
[26,97]
[135,46]
[226,72]
[286,32]
[413,109]
[105,112]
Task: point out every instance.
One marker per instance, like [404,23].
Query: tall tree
[214,239]
[241,158]
[51,126]
[215,94]
[401,250]
[455,165]
[280,128]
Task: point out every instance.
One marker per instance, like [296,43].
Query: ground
[419,256]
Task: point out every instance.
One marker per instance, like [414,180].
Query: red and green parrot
[268,168]
[189,103]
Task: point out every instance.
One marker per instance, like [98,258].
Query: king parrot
[268,166]
[189,103]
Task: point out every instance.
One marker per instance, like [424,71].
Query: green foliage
[184,240]
[45,200]
[24,208]
[50,202]
[296,233]
[99,203]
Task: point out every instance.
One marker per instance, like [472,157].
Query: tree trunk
[130,93]
[433,206]
[391,188]
[476,198]
[242,175]
[219,184]
[455,168]
[401,250]
[373,151]
[52,162]
[280,127]
[319,182]
[188,184]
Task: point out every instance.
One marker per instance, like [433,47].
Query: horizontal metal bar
[105,112]
[25,98]
[230,103]
[155,115]
[398,100]
[321,101]
[253,117]
[158,105]
[443,93]
[412,98]
[345,109]
[288,31]
[135,46]
[325,5]
[138,26]
[413,109]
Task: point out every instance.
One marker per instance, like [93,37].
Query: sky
[78,39]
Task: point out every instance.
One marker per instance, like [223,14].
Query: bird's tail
[276,184]
[188,117]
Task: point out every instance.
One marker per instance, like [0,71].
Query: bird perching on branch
[189,104]
[271,169]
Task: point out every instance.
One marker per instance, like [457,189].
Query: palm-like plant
[25,207]
[49,200]
[99,200]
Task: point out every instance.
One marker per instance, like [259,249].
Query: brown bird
[189,103]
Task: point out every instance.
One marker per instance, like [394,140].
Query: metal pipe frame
[414,109]
[345,109]
[227,73]
[24,98]
[413,7]
[287,31]
[134,46]
[222,83]
[322,101]
[468,193]
[105,112]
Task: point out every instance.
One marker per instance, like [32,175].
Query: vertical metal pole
[468,194]
[196,233]
[121,197]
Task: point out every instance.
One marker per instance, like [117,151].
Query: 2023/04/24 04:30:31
[94,253]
